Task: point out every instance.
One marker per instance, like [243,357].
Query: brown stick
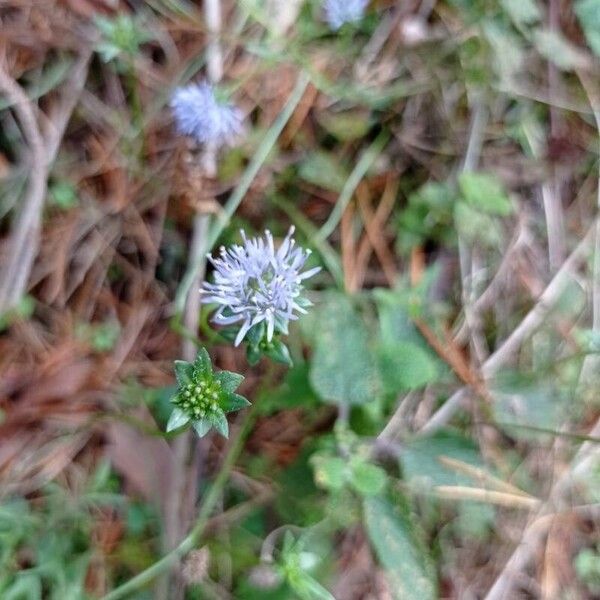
[25,237]
[373,226]
[348,250]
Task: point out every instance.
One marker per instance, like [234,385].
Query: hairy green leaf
[234,402]
[330,471]
[405,366]
[219,422]
[367,479]
[484,192]
[229,381]
[399,550]
[322,169]
[183,372]
[522,12]
[177,419]
[343,370]
[421,464]
[202,427]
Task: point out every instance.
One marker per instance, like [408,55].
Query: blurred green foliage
[48,547]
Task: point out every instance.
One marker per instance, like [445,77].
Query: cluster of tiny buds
[265,345]
[199,399]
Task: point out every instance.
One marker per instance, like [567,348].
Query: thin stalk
[191,311]
[591,362]
[194,536]
[330,258]
[360,170]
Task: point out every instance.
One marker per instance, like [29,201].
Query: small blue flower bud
[200,114]
[338,12]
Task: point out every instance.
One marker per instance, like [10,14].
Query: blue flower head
[257,283]
[200,114]
[338,12]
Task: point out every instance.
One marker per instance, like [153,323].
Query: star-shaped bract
[204,397]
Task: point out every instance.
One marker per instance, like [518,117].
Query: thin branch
[376,223]
[553,207]
[590,364]
[544,305]
[582,464]
[462,492]
[360,170]
[348,248]
[465,253]
[489,295]
[374,226]
[191,315]
[25,237]
[528,325]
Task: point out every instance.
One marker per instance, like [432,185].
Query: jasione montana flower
[256,283]
[200,114]
[338,12]
[204,397]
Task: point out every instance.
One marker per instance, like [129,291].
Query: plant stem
[193,537]
[330,258]
[360,170]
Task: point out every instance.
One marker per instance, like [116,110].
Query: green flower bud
[204,396]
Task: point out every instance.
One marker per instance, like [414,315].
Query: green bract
[204,397]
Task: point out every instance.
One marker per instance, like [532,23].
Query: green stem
[360,170]
[259,158]
[193,537]
[134,97]
[330,258]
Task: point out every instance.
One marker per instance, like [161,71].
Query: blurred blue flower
[200,114]
[257,283]
[338,12]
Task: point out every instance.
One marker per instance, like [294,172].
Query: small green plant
[121,37]
[204,397]
[102,337]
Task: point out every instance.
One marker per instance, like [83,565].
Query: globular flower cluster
[199,399]
[200,114]
[338,12]
[204,397]
[256,283]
